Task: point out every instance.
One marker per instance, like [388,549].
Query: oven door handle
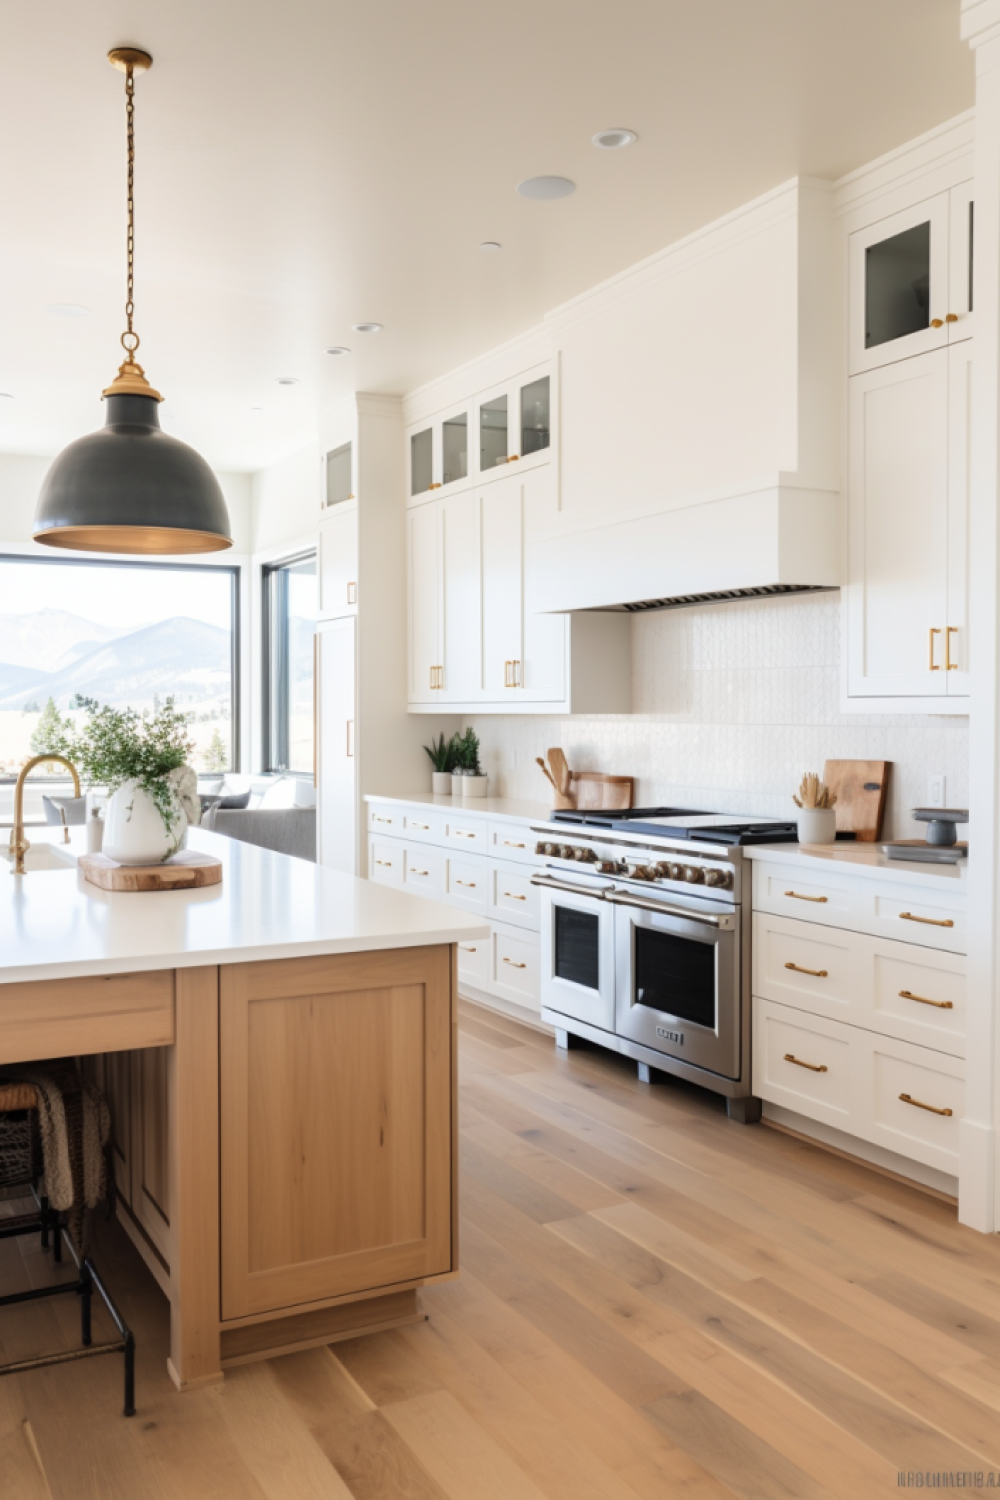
[724,923]
[563,885]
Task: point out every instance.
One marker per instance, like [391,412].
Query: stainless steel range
[646,940]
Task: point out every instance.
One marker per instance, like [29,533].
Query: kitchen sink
[43,857]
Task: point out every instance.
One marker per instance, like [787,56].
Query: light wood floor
[654,1303]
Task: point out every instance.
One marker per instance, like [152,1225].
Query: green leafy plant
[442,753]
[52,735]
[467,753]
[117,745]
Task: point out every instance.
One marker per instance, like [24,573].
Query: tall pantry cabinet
[365,740]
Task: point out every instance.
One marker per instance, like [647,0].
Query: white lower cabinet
[515,965]
[854,1028]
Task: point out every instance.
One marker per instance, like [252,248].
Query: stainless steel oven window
[577,947]
[676,976]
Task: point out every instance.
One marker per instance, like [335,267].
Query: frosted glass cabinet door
[900,286]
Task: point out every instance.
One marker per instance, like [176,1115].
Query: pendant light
[130,487]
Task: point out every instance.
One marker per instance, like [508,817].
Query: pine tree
[217,754]
[52,734]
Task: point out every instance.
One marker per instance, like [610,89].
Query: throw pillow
[75,807]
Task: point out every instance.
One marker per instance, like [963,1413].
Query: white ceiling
[309,164]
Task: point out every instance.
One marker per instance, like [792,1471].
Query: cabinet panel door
[959,480]
[337,812]
[424,567]
[338,563]
[501,532]
[961,260]
[543,677]
[898,522]
[899,285]
[150,1200]
[461,600]
[335,1113]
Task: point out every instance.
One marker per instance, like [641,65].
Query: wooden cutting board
[860,788]
[592,789]
[181,872]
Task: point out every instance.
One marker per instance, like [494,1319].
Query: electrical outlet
[935,789]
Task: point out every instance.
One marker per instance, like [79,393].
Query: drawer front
[515,966]
[423,870]
[385,861]
[808,896]
[918,1098]
[513,898]
[470,834]
[884,908]
[918,995]
[474,963]
[806,1063]
[423,826]
[382,818]
[803,964]
[514,841]
[466,882]
[935,919]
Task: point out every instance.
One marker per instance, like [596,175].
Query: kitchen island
[279,1055]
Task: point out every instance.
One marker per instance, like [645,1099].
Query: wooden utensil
[593,789]
[860,787]
[561,802]
[560,770]
[182,872]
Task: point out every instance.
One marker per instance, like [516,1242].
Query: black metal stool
[19,1149]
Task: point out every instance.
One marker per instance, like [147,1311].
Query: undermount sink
[43,857]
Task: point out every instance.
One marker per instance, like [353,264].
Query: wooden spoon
[560,770]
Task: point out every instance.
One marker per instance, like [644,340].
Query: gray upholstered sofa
[287,830]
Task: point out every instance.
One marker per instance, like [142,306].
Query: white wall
[731,704]
[286,500]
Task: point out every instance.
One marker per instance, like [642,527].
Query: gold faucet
[19,845]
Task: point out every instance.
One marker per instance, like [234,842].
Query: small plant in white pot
[470,780]
[817,821]
[152,792]
[442,754]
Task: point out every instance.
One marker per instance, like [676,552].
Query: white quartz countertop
[484,807]
[864,859]
[56,925]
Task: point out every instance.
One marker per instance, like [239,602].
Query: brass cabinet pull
[907,916]
[797,896]
[466,948]
[512,458]
[951,317]
[377,819]
[469,884]
[517,673]
[923,1000]
[420,872]
[350,738]
[816,973]
[433,486]
[424,826]
[386,862]
[437,677]
[524,966]
[813,1067]
[460,833]
[352,593]
[937,322]
[949,665]
[919,1104]
[510,844]
[511,896]
[931,665]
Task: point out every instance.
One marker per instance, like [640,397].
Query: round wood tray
[181,872]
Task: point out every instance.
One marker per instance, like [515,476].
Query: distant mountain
[181,657]
[41,638]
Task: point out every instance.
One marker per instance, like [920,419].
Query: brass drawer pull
[813,1067]
[949,665]
[424,826]
[466,948]
[931,664]
[923,1000]
[919,1104]
[816,973]
[460,833]
[471,884]
[386,862]
[510,844]
[907,916]
[352,593]
[377,819]
[420,872]
[797,896]
[511,896]
[524,966]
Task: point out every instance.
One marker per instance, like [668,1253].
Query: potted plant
[470,779]
[442,755]
[152,792]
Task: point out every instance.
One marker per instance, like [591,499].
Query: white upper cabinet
[338,562]
[423,546]
[911,281]
[476,439]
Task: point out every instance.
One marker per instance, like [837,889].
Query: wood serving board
[593,789]
[860,787]
[181,872]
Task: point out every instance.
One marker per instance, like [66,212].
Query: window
[126,634]
[289,627]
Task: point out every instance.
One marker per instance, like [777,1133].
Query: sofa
[274,812]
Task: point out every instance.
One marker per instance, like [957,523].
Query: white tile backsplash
[732,703]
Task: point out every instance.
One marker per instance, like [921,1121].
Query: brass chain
[130,339]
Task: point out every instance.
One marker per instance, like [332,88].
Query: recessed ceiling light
[366,327]
[288,380]
[338,349]
[491,246]
[614,138]
[546,187]
[257,408]
[67,310]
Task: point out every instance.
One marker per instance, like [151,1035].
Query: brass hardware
[352,497]
[510,674]
[951,317]
[19,845]
[949,665]
[511,896]
[65,825]
[937,322]
[796,896]
[469,884]
[919,1104]
[467,949]
[907,916]
[437,677]
[813,1067]
[124,58]
[386,862]
[434,486]
[513,964]
[377,819]
[922,1000]
[512,458]
[517,674]
[350,737]
[510,844]
[420,872]
[352,593]
[930,649]
[460,833]
[424,826]
[816,973]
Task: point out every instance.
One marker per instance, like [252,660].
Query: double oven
[646,950]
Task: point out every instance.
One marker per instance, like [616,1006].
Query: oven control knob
[590,856]
[662,871]
[675,871]
[608,867]
[694,874]
[565,851]
[583,855]
[717,877]
[642,872]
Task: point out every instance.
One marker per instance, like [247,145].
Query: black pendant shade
[132,488]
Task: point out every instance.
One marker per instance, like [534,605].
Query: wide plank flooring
[654,1302]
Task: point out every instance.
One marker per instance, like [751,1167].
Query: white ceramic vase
[134,831]
[471,786]
[817,825]
[441,784]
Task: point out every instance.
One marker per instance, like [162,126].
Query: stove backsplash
[731,703]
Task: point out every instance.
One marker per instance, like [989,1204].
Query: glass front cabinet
[477,441]
[911,281]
